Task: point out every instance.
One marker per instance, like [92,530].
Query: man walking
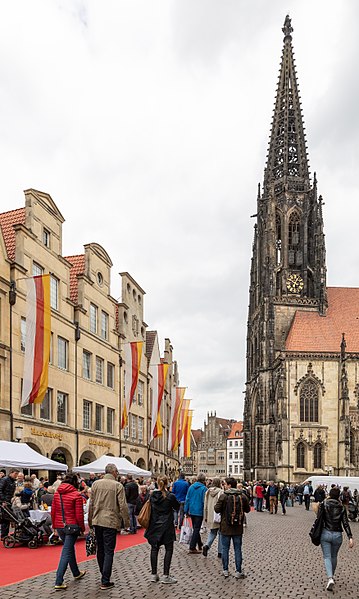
[232,505]
[180,489]
[107,508]
[7,490]
[273,498]
[132,493]
[308,491]
[194,505]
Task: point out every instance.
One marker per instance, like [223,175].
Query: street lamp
[252,470]
[18,433]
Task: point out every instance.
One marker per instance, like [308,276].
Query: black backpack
[234,509]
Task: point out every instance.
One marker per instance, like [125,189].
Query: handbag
[316,531]
[144,516]
[216,517]
[186,532]
[91,543]
[69,529]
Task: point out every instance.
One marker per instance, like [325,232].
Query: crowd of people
[111,503]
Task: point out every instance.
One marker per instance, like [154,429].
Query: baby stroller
[25,531]
[352,511]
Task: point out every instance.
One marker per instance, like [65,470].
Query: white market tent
[123,466]
[20,455]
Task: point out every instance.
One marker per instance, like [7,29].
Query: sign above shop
[99,442]
[40,433]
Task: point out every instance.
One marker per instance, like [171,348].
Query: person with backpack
[232,505]
[161,529]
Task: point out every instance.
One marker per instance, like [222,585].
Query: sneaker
[194,551]
[107,585]
[168,579]
[330,584]
[60,587]
[225,573]
[205,550]
[154,578]
[240,575]
[81,575]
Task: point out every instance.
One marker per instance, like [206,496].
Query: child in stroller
[25,531]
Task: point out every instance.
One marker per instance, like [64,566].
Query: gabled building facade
[300,415]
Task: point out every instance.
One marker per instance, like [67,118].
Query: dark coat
[132,492]
[7,489]
[161,529]
[220,508]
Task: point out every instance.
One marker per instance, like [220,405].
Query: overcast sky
[148,123]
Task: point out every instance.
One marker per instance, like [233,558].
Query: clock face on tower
[294,283]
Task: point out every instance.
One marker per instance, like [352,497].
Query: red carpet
[20,563]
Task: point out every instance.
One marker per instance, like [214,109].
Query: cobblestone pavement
[279,560]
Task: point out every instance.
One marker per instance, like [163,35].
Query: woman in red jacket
[67,508]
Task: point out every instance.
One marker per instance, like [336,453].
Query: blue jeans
[259,504]
[330,542]
[133,521]
[212,535]
[178,516]
[237,544]
[68,557]
[106,542]
[196,537]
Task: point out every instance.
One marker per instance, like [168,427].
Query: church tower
[288,270]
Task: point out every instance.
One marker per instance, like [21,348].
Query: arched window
[294,251]
[352,449]
[278,238]
[317,455]
[309,401]
[300,455]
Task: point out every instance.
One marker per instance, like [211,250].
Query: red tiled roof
[7,222]
[197,435]
[78,268]
[150,341]
[237,427]
[311,332]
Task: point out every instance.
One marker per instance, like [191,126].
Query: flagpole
[12,302]
[120,362]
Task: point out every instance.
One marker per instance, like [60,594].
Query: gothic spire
[287,154]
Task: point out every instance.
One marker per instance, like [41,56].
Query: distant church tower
[288,272]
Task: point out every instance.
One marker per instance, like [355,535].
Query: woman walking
[209,515]
[67,508]
[161,530]
[335,519]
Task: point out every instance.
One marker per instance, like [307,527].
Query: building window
[46,237]
[317,455]
[45,406]
[133,426]
[309,410]
[140,429]
[86,365]
[62,399]
[110,375]
[104,325]
[230,469]
[294,252]
[99,370]
[278,241]
[126,431]
[236,455]
[99,417]
[230,444]
[110,420]
[230,457]
[236,469]
[26,410]
[23,333]
[236,443]
[93,318]
[37,270]
[51,356]
[54,290]
[140,389]
[62,353]
[300,455]
[87,415]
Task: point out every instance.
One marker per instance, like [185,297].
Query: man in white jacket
[211,519]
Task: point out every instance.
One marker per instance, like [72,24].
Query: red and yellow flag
[37,340]
[183,420]
[159,375]
[187,435]
[176,405]
[132,355]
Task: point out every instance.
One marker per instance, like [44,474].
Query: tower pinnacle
[287,28]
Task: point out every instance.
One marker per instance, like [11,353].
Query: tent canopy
[20,455]
[123,466]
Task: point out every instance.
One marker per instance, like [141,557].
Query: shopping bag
[186,532]
[216,517]
[144,516]
[91,544]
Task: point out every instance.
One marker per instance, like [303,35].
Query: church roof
[311,332]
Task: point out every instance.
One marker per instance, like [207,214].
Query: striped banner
[176,405]
[37,340]
[187,435]
[132,355]
[159,375]
[183,420]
